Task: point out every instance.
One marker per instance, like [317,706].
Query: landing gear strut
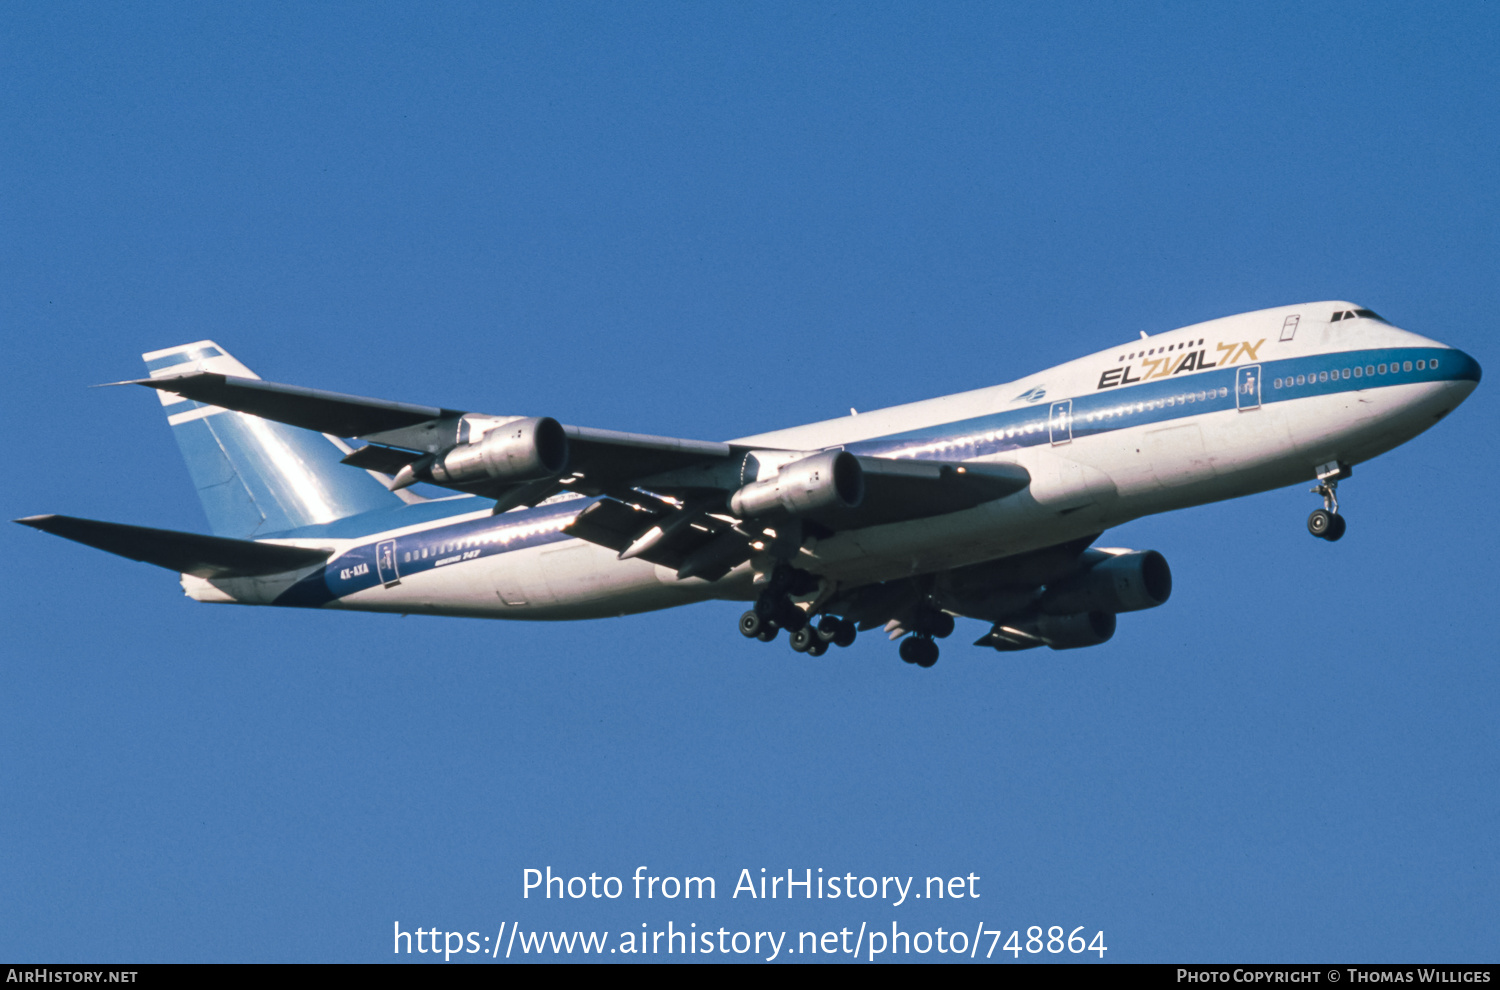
[774,610]
[775,601]
[1326,523]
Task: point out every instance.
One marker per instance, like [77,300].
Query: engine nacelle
[828,481]
[517,451]
[1067,632]
[1125,583]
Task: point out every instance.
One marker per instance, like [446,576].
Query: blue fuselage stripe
[1110,408]
[372,564]
[1120,407]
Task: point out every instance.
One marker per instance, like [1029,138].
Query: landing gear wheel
[839,632]
[919,650]
[1337,530]
[1321,523]
[818,648]
[768,632]
[845,634]
[942,626]
[909,650]
[751,624]
[803,639]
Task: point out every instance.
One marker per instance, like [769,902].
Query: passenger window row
[1161,350]
[505,535]
[1369,370]
[1172,400]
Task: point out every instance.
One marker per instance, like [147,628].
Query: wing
[700,507]
[403,435]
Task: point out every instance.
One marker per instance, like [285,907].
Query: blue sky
[708,221]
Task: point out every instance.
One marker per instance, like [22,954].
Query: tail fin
[256,477]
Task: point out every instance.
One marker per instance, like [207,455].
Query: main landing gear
[775,610]
[809,639]
[919,648]
[1326,523]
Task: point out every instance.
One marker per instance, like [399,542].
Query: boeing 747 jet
[983,505]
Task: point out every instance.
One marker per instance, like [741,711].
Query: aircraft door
[1060,422]
[1247,387]
[385,563]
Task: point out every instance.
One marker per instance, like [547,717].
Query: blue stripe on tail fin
[254,477]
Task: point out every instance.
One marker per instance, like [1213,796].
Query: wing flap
[185,553]
[613,524]
[686,538]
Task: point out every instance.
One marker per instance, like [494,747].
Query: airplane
[984,505]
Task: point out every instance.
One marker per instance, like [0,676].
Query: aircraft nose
[1468,369]
[1461,372]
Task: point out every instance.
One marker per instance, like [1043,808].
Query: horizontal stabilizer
[186,553]
[309,408]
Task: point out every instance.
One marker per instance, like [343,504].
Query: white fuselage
[1208,412]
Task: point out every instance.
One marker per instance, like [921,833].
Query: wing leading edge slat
[310,408]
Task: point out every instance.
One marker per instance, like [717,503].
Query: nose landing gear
[1326,523]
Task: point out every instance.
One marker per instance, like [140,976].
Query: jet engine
[518,451]
[832,480]
[1127,582]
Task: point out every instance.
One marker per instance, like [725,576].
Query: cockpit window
[1349,314]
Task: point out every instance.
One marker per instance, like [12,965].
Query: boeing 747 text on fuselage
[984,504]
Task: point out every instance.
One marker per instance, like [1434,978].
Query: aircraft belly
[1067,478]
[570,580]
[996,529]
[1320,421]
[583,580]
[1356,426]
[1177,455]
[1201,459]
